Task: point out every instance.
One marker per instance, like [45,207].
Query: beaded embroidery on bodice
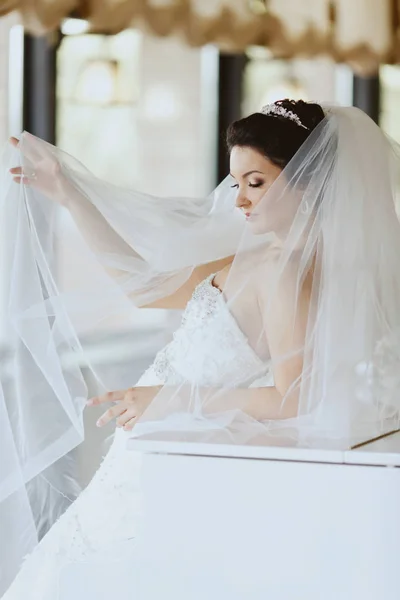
[209,348]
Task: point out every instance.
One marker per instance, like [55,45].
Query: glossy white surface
[269,523]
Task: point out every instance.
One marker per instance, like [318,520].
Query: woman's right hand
[41,169]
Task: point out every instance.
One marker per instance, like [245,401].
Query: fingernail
[99,423]
[89,402]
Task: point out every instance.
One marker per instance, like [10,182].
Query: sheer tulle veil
[328,222]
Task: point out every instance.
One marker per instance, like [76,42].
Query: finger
[30,150]
[111,414]
[125,417]
[130,425]
[26,149]
[115,396]
[23,180]
[24,174]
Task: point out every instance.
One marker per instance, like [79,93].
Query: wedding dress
[107,513]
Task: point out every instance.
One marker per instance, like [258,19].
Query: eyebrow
[248,173]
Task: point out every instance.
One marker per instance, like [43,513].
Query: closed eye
[252,185]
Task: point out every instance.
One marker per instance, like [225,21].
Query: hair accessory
[280,111]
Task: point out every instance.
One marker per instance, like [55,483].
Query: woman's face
[254,175]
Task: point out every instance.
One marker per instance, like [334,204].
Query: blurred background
[142,92]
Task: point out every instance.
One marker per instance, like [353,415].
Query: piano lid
[382,451]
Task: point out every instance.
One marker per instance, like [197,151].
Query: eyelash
[252,185]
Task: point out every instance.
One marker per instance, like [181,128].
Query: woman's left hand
[130,405]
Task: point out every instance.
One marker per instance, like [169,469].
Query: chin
[257,225]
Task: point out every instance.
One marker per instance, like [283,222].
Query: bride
[290,287]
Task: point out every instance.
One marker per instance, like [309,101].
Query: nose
[242,201]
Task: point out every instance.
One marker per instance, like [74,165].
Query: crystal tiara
[280,111]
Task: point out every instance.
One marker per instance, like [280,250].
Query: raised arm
[47,177]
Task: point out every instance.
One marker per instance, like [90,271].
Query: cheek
[255,195]
[271,216]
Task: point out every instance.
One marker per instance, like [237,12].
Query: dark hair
[277,138]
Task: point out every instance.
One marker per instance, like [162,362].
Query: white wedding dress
[104,520]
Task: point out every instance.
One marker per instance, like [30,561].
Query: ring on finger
[32,175]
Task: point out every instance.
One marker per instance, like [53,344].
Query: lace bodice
[208,348]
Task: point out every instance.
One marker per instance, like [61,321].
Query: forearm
[98,233]
[265,403]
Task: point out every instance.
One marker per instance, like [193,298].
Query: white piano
[269,523]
